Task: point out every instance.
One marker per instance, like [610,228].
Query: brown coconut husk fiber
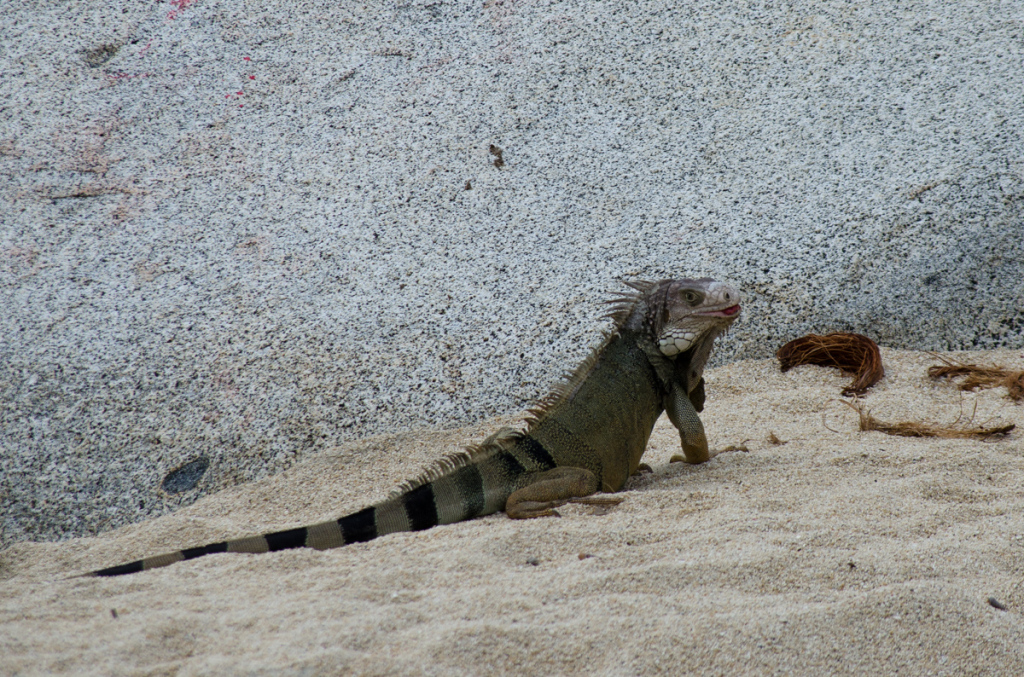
[959,429]
[853,353]
[979,376]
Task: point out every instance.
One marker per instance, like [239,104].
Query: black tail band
[192,553]
[360,526]
[120,569]
[421,508]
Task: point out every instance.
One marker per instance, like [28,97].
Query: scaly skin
[588,435]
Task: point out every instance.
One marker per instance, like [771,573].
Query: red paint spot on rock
[178,6]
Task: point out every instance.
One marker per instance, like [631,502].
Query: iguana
[587,435]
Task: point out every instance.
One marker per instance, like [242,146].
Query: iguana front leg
[681,411]
[553,488]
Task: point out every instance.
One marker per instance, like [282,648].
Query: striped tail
[460,487]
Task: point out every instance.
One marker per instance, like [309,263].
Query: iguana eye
[691,297]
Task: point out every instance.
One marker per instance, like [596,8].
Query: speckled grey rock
[247,231]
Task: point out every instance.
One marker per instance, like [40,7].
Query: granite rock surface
[235,234]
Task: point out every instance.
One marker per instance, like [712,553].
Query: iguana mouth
[725,312]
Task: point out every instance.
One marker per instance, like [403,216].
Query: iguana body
[586,436]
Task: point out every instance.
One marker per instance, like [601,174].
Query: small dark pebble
[186,477]
[499,161]
[113,613]
[97,56]
[996,603]
[534,561]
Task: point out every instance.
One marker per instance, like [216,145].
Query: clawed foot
[531,509]
[643,469]
[733,447]
[679,458]
[596,500]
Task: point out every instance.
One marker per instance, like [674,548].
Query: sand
[838,552]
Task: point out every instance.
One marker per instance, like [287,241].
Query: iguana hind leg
[553,488]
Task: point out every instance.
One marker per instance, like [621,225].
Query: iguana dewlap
[587,435]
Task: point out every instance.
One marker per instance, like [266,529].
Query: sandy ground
[836,552]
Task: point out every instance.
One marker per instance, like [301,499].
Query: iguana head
[685,313]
